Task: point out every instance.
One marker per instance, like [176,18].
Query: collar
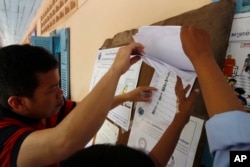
[4,112]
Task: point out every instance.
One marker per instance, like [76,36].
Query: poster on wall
[237,60]
[121,114]
[152,119]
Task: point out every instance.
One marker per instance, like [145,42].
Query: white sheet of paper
[163,44]
[108,133]
[152,119]
[185,150]
[128,81]
[163,51]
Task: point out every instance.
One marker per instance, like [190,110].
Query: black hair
[109,155]
[232,80]
[240,91]
[19,65]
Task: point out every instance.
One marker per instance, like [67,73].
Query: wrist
[115,72]
[202,58]
[180,122]
[116,68]
[122,97]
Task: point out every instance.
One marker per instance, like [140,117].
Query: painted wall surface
[97,20]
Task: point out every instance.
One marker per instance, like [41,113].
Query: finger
[178,86]
[148,88]
[136,47]
[186,89]
[146,94]
[146,98]
[134,59]
[193,96]
[180,95]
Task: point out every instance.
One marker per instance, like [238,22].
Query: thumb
[134,59]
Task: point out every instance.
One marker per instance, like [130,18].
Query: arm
[52,145]
[219,99]
[217,94]
[244,67]
[164,148]
[143,93]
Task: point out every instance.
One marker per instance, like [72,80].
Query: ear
[16,103]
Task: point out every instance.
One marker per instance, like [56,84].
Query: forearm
[93,109]
[85,120]
[81,124]
[163,150]
[218,95]
[141,93]
[77,128]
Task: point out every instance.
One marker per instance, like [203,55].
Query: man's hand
[143,93]
[123,59]
[184,104]
[195,42]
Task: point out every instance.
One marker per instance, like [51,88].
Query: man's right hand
[123,59]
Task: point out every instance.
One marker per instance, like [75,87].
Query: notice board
[216,18]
